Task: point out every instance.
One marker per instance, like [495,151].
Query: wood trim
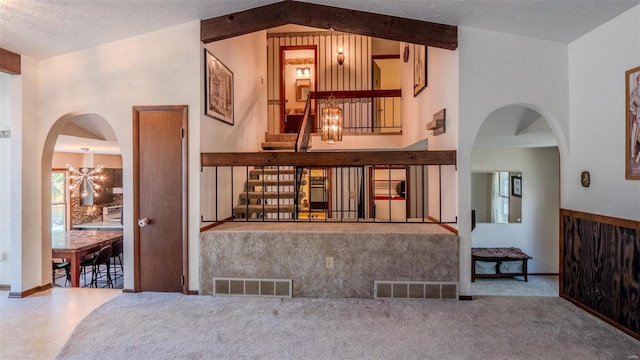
[217,223]
[10,62]
[136,198]
[323,17]
[192,292]
[347,94]
[185,197]
[5,287]
[465,297]
[129,291]
[382,57]
[23,294]
[633,224]
[601,317]
[446,226]
[627,223]
[136,110]
[339,159]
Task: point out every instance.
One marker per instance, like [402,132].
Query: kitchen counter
[99,225]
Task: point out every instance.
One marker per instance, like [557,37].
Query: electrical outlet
[328,262]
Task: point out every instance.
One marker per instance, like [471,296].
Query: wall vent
[252,287]
[415,290]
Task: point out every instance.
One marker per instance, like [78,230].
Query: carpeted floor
[163,326]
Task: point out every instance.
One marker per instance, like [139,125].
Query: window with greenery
[58,200]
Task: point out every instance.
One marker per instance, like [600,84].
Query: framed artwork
[419,69]
[218,89]
[516,186]
[632,140]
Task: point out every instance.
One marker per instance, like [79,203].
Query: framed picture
[632,140]
[516,186]
[218,89]
[419,69]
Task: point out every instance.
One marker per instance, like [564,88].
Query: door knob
[143,222]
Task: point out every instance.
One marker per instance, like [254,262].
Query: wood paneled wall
[353,74]
[600,267]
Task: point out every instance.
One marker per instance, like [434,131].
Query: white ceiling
[41,29]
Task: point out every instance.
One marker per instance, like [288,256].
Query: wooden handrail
[306,127]
[343,158]
[355,94]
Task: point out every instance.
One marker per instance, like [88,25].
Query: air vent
[252,287]
[415,290]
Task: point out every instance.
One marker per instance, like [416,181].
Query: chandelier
[331,122]
[84,178]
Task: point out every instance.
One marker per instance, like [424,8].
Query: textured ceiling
[45,28]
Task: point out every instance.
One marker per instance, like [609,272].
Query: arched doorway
[515,191]
[78,141]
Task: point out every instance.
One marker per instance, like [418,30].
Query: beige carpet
[168,326]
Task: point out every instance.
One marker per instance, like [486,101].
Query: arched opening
[75,142]
[515,199]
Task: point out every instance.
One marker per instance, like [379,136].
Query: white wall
[597,63]
[159,68]
[538,233]
[441,93]
[497,69]
[245,57]
[5,179]
[25,201]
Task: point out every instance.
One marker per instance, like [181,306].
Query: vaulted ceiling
[41,29]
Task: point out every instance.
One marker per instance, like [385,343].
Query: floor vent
[415,290]
[252,287]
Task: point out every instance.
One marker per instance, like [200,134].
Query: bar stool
[56,265]
[103,258]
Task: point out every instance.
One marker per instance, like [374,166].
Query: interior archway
[81,140]
[517,141]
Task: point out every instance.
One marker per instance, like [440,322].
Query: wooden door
[160,195]
[377,102]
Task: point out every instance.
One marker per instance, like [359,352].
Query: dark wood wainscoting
[599,267]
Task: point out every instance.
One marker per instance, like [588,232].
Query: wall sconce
[331,122]
[438,125]
[340,56]
[303,71]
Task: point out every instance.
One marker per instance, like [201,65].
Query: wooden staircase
[269,192]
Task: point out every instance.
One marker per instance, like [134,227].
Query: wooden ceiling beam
[10,62]
[374,25]
[322,16]
[244,22]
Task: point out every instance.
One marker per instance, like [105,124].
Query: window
[58,200]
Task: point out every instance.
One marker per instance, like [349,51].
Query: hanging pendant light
[83,179]
[332,122]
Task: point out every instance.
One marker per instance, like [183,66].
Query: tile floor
[37,327]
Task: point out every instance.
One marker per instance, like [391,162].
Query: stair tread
[278,145]
[242,209]
[281,137]
[274,182]
[268,195]
[272,171]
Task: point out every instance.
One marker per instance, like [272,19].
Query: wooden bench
[498,255]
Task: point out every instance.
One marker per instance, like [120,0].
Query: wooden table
[74,244]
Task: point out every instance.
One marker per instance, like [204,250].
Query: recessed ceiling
[515,126]
[42,29]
